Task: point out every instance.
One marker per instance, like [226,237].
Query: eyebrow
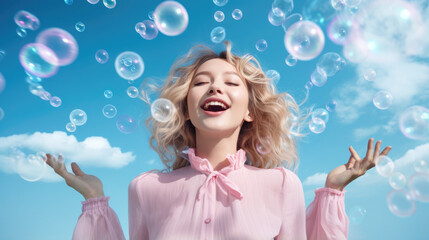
[210,74]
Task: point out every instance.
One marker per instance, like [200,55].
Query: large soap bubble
[126,124]
[401,203]
[62,44]
[129,65]
[414,123]
[384,166]
[27,20]
[419,186]
[171,18]
[331,63]
[162,110]
[304,40]
[31,59]
[31,168]
[383,100]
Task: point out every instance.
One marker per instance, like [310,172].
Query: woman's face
[218,98]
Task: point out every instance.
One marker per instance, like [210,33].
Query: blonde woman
[228,152]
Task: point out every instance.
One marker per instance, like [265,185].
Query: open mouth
[214,108]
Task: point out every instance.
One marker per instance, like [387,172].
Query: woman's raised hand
[341,176]
[87,185]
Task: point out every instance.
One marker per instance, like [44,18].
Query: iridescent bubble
[217,35]
[70,127]
[384,166]
[30,58]
[27,20]
[397,180]
[318,77]
[126,124]
[320,113]
[101,56]
[308,85]
[237,14]
[357,214]
[2,83]
[35,89]
[421,165]
[108,94]
[382,100]
[78,117]
[331,106]
[369,74]
[273,75]
[419,186]
[1,113]
[219,16]
[93,1]
[340,29]
[331,63]
[31,168]
[356,50]
[414,123]
[338,5]
[317,125]
[220,3]
[291,60]
[55,101]
[132,92]
[150,15]
[109,3]
[80,26]
[151,31]
[62,44]
[284,6]
[162,110]
[276,17]
[304,40]
[401,203]
[109,111]
[129,65]
[261,45]
[45,95]
[263,146]
[21,32]
[291,20]
[68,2]
[140,27]
[171,18]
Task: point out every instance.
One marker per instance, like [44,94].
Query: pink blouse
[238,202]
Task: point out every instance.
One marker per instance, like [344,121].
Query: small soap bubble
[237,14]
[384,166]
[108,94]
[55,101]
[304,40]
[357,214]
[68,2]
[317,125]
[70,127]
[318,77]
[263,146]
[93,1]
[219,16]
[45,95]
[35,89]
[320,113]
[171,18]
[220,3]
[109,111]
[419,187]
[132,92]
[276,17]
[273,75]
[140,27]
[26,20]
[109,3]
[421,165]
[162,110]
[397,180]
[62,43]
[338,5]
[129,65]
[78,117]
[331,63]
[80,26]
[331,106]
[21,32]
[150,15]
[126,124]
[261,45]
[101,56]
[217,35]
[291,60]
[308,85]
[340,29]
[414,123]
[151,31]
[382,100]
[369,74]
[401,203]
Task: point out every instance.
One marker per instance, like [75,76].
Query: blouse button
[207,221]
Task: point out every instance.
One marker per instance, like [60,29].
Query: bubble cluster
[384,166]
[382,100]
[132,92]
[70,127]
[129,65]
[414,122]
[109,111]
[31,59]
[261,45]
[331,63]
[237,14]
[291,60]
[318,77]
[126,124]
[78,117]
[26,20]
[304,40]
[401,203]
[108,94]
[150,30]
[162,110]
[219,16]
[101,56]
[62,43]
[217,35]
[171,18]
[80,26]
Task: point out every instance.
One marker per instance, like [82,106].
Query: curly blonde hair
[276,115]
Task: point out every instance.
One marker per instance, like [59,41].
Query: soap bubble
[304,40]
[317,125]
[108,94]
[35,89]
[384,166]
[320,113]
[284,6]
[62,44]
[162,110]
[32,61]
[101,56]
[126,124]
[70,127]
[414,123]
[68,2]
[382,100]
[237,14]
[291,20]
[27,20]
[331,63]
[331,106]
[109,111]
[219,16]
[357,214]
[401,203]
[78,117]
[129,65]
[276,17]
[217,35]
[80,26]
[369,74]
[151,31]
[150,15]
[93,1]
[55,101]
[419,187]
[340,29]
[261,45]
[319,11]
[220,3]
[421,165]
[171,18]
[291,60]
[45,95]
[31,168]
[109,3]
[21,32]
[318,77]
[338,5]
[263,146]
[397,180]
[132,92]
[140,27]
[308,85]
[31,79]
[273,75]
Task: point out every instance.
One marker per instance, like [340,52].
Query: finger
[351,162]
[377,150]
[354,153]
[76,169]
[370,150]
[386,150]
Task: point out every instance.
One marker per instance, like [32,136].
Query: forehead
[216,65]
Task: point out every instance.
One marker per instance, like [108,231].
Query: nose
[214,88]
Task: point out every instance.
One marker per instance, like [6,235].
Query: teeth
[214,103]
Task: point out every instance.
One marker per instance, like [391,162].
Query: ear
[248,117]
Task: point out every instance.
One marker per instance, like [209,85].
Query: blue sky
[48,209]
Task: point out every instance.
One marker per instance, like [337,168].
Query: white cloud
[93,151]
[316,179]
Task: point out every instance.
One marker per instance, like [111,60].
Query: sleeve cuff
[95,203]
[329,191]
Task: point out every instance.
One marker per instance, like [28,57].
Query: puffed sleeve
[326,216]
[136,217]
[98,221]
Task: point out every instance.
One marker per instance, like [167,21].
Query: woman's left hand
[341,176]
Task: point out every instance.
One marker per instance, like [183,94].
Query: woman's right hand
[87,185]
